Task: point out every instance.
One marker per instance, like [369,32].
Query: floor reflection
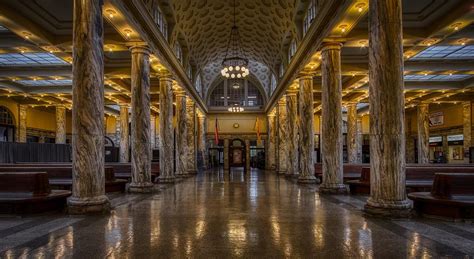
[222,214]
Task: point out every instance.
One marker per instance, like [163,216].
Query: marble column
[360,140]
[467,129]
[190,136]
[22,112]
[271,139]
[166,130]
[181,134]
[88,179]
[292,132]
[352,133]
[306,124]
[282,136]
[141,150]
[226,155]
[124,135]
[153,133]
[60,124]
[332,139]
[247,156]
[202,140]
[423,124]
[387,146]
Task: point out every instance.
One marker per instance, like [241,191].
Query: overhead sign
[459,137]
[436,139]
[436,119]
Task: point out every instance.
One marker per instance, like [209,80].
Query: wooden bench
[121,170]
[451,196]
[29,192]
[417,179]
[350,171]
[60,176]
[124,170]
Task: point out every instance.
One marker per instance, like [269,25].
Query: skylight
[436,77]
[17,59]
[45,82]
[446,52]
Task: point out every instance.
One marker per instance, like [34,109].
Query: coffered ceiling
[263,25]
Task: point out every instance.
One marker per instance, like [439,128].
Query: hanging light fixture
[235,65]
[236,109]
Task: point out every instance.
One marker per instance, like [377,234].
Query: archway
[7,125]
[237,153]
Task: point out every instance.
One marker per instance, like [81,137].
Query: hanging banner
[436,119]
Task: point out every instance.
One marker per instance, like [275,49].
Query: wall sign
[436,139]
[456,139]
[436,119]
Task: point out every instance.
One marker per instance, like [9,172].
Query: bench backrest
[421,173]
[56,172]
[446,185]
[30,183]
[347,168]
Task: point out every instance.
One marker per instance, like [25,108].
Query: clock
[236,125]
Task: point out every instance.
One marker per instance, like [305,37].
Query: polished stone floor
[216,215]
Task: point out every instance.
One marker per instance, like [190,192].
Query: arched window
[292,50]
[281,71]
[231,92]
[273,84]
[161,22]
[178,52]
[198,84]
[6,117]
[310,15]
[7,125]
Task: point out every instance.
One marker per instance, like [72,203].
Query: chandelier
[236,109]
[235,65]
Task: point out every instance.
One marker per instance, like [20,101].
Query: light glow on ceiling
[22,59]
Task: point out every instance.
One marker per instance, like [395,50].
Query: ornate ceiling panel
[257,69]
[205,25]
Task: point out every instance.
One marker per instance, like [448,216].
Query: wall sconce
[127,32]
[360,7]
[343,28]
[111,13]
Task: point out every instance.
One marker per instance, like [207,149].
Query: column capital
[306,74]
[189,102]
[179,92]
[165,75]
[282,100]
[139,47]
[291,91]
[331,45]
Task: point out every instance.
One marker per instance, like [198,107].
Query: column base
[95,205]
[333,189]
[390,209]
[281,172]
[140,187]
[165,179]
[192,172]
[181,175]
[308,179]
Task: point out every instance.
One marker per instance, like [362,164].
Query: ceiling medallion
[234,63]
[235,109]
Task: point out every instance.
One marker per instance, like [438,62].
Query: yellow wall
[246,123]
[38,119]
[452,117]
